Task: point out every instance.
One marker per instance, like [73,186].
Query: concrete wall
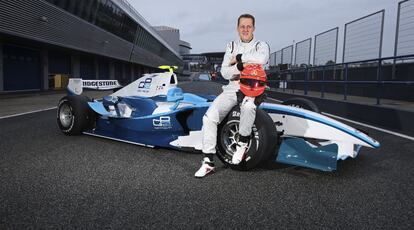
[389,118]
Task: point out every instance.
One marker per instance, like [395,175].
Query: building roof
[133,13]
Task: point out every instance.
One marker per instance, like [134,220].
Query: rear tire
[262,144]
[74,115]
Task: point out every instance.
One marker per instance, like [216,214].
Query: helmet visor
[253,83]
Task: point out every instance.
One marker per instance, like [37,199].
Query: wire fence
[278,57]
[272,59]
[362,40]
[326,47]
[303,52]
[404,39]
[363,71]
[287,55]
[363,37]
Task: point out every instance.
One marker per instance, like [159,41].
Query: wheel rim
[65,115]
[230,137]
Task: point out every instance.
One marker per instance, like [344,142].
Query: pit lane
[49,180]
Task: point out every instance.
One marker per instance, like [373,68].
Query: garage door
[21,68]
[103,69]
[59,63]
[87,68]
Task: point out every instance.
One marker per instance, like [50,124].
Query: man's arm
[261,56]
[227,69]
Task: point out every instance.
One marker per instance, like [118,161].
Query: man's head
[245,27]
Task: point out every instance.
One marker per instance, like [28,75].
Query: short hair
[245,16]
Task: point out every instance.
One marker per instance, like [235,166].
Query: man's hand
[233,61]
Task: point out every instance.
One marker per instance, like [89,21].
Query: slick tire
[74,115]
[262,144]
[302,103]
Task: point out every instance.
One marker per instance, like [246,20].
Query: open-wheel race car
[154,112]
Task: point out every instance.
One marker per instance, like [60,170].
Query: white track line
[116,139]
[372,127]
[20,114]
[362,124]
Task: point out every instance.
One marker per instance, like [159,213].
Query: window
[85,9]
[111,18]
[108,16]
[129,28]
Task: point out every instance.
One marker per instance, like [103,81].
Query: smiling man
[239,53]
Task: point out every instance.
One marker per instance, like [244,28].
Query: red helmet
[253,80]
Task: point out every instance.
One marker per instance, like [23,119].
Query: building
[91,39]
[184,47]
[172,37]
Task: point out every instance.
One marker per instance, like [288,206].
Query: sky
[210,24]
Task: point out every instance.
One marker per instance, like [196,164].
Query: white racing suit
[254,52]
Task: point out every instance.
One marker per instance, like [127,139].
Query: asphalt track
[52,181]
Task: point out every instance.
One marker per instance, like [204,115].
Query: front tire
[302,103]
[74,115]
[262,144]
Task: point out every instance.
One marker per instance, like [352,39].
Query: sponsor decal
[145,84]
[100,84]
[236,114]
[163,122]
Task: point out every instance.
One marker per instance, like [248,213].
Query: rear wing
[168,67]
[76,85]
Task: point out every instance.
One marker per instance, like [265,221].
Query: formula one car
[152,111]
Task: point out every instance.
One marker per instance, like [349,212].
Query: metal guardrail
[345,81]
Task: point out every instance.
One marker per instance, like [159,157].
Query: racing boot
[238,156]
[206,168]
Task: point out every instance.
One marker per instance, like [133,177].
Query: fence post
[292,77]
[379,84]
[306,80]
[323,83]
[396,40]
[346,82]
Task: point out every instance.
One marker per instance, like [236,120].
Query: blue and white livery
[154,112]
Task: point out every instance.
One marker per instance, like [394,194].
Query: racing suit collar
[249,42]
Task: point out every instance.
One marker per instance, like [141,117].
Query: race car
[154,112]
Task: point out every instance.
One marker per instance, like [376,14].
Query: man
[239,53]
